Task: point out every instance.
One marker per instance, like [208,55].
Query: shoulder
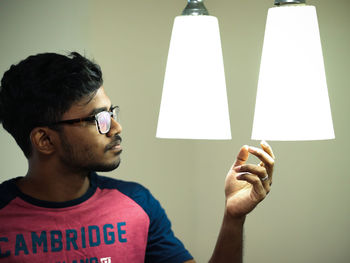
[126,187]
[137,192]
[7,192]
[162,244]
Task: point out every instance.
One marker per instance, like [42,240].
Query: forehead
[86,105]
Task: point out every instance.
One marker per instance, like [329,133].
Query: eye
[114,112]
[91,120]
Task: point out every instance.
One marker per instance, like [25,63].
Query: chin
[106,167]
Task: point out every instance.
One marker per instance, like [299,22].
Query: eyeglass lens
[104,120]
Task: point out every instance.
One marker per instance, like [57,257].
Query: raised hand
[248,184]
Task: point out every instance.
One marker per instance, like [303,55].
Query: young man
[56,108]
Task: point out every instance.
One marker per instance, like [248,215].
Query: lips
[115,145]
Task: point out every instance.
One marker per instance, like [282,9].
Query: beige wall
[306,216]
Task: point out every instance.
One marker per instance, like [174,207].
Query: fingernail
[263,142]
[237,168]
[245,147]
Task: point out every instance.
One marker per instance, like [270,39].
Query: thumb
[242,156]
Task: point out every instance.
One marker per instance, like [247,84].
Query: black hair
[41,88]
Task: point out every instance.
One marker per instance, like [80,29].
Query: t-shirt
[114,221]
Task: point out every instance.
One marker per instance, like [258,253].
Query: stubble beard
[84,160]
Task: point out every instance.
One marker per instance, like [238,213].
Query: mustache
[116,141]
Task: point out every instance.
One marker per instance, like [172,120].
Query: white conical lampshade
[292,99]
[194,101]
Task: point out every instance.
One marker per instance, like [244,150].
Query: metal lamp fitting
[288,2]
[195,8]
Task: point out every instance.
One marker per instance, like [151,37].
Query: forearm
[229,246]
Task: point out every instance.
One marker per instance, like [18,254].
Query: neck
[47,182]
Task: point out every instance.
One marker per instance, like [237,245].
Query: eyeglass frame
[113,111]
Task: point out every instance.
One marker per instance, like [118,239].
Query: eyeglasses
[102,119]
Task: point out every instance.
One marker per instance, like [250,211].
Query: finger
[253,169]
[260,171]
[269,172]
[242,156]
[262,155]
[266,159]
[267,148]
[260,192]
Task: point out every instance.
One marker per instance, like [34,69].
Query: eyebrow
[98,110]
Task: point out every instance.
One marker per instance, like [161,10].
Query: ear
[42,140]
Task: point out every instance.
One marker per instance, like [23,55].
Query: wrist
[236,219]
[231,216]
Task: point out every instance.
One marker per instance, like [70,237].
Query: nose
[116,128]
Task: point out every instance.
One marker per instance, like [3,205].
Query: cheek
[89,151]
[95,143]
[88,139]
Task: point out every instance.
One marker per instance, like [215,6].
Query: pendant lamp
[292,98]
[194,100]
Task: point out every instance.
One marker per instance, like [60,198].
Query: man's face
[82,147]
